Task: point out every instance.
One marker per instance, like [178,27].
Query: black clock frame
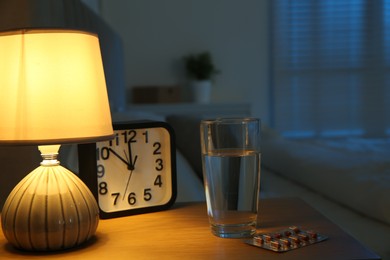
[88,168]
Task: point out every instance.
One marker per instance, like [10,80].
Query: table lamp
[52,92]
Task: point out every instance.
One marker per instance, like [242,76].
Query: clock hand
[135,159]
[127,184]
[131,165]
[120,157]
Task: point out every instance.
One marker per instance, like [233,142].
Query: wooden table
[183,233]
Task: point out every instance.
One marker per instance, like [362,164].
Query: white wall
[158,33]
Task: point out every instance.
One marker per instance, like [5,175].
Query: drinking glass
[231,170]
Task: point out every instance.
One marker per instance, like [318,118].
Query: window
[331,67]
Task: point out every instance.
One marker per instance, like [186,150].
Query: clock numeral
[145,134]
[116,196]
[103,188]
[116,140]
[103,153]
[157,146]
[160,165]
[131,199]
[100,171]
[147,194]
[157,181]
[129,136]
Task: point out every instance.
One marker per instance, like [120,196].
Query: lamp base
[50,209]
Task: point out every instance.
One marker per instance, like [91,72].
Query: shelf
[205,110]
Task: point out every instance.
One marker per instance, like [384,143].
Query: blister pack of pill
[285,240]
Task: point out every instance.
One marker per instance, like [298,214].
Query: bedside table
[183,233]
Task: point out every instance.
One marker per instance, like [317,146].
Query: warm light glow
[52,88]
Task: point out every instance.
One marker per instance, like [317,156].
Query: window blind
[330,67]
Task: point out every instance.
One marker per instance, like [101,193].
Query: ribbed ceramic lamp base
[50,209]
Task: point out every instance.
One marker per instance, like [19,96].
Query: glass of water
[231,172]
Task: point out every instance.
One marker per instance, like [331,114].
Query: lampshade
[52,88]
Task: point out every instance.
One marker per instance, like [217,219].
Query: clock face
[136,169]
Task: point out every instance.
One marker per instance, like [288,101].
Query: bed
[355,172]
[347,179]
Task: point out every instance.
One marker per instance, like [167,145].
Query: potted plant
[201,71]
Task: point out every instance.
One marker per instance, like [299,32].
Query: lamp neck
[49,154]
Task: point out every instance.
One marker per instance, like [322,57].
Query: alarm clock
[133,173]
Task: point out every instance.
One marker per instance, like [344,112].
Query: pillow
[188,139]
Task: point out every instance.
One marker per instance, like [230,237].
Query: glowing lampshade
[52,88]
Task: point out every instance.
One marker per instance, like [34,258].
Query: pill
[285,241]
[267,237]
[303,236]
[277,235]
[295,229]
[275,244]
[312,234]
[259,240]
[295,239]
